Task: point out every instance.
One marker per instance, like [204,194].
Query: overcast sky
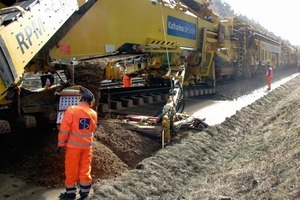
[282,17]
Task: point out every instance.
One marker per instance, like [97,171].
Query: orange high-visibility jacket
[269,72]
[77,127]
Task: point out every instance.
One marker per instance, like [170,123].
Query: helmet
[88,97]
[86,94]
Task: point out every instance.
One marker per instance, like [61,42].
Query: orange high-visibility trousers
[269,81]
[78,167]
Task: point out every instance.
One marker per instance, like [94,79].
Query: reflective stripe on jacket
[77,127]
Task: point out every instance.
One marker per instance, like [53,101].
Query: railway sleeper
[191,92]
[138,101]
[128,102]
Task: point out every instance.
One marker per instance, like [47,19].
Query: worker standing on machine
[76,136]
[127,81]
[269,75]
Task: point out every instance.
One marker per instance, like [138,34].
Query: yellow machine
[247,48]
[250,48]
[148,38]
[289,55]
[144,38]
[166,42]
[25,27]
[156,39]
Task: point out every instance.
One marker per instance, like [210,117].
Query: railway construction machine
[158,40]
[250,48]
[30,28]
[164,34]
[164,42]
[153,43]
[25,28]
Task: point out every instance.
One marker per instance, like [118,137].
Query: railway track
[129,100]
[114,98]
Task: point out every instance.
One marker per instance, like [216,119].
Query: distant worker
[127,81]
[76,136]
[269,75]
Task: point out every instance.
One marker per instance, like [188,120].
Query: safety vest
[127,81]
[269,72]
[77,127]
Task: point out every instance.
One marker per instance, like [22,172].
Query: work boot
[66,196]
[83,195]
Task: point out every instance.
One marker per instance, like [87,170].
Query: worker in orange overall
[269,75]
[127,81]
[76,137]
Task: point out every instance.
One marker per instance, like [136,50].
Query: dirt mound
[115,151]
[129,146]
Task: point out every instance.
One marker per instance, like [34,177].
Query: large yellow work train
[156,40]
[157,36]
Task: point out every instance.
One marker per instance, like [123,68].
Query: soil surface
[254,154]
